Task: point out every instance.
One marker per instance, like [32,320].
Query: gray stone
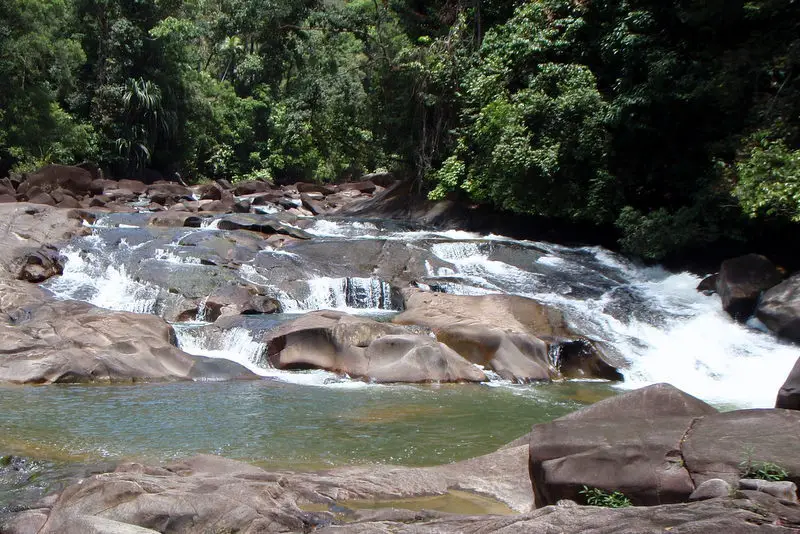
[783,489]
[741,281]
[711,489]
[779,309]
[789,394]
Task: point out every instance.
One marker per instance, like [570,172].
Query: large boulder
[741,281]
[789,394]
[779,308]
[45,342]
[630,443]
[657,445]
[393,261]
[519,338]
[306,187]
[39,264]
[168,193]
[364,186]
[314,206]
[250,187]
[52,177]
[364,348]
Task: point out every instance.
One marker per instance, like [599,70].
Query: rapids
[655,320]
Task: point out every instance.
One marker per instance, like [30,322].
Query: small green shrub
[598,497]
[763,470]
[749,468]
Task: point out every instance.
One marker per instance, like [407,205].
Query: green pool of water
[454,502]
[66,431]
[278,424]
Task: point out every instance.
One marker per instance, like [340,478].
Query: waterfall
[89,278]
[344,294]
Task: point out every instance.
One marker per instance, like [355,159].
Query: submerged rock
[360,347]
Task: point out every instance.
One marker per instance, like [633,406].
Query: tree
[38,61]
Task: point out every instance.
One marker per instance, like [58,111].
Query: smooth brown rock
[42,198]
[361,347]
[708,285]
[27,227]
[305,187]
[262,224]
[780,489]
[52,177]
[168,193]
[212,494]
[248,188]
[630,443]
[711,489]
[68,341]
[175,219]
[38,265]
[365,186]
[208,192]
[741,281]
[136,186]
[512,335]
[314,206]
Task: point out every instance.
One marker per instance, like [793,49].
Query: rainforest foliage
[676,122]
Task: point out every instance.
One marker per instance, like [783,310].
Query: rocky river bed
[297,338]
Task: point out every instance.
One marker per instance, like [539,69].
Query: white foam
[237,345]
[86,278]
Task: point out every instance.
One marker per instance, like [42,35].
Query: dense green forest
[676,123]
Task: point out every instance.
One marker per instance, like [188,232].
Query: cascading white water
[656,320]
[237,344]
[347,294]
[668,332]
[105,285]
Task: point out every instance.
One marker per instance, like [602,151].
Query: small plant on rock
[598,497]
[750,468]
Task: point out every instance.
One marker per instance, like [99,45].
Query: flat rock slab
[213,494]
[717,445]
[720,515]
